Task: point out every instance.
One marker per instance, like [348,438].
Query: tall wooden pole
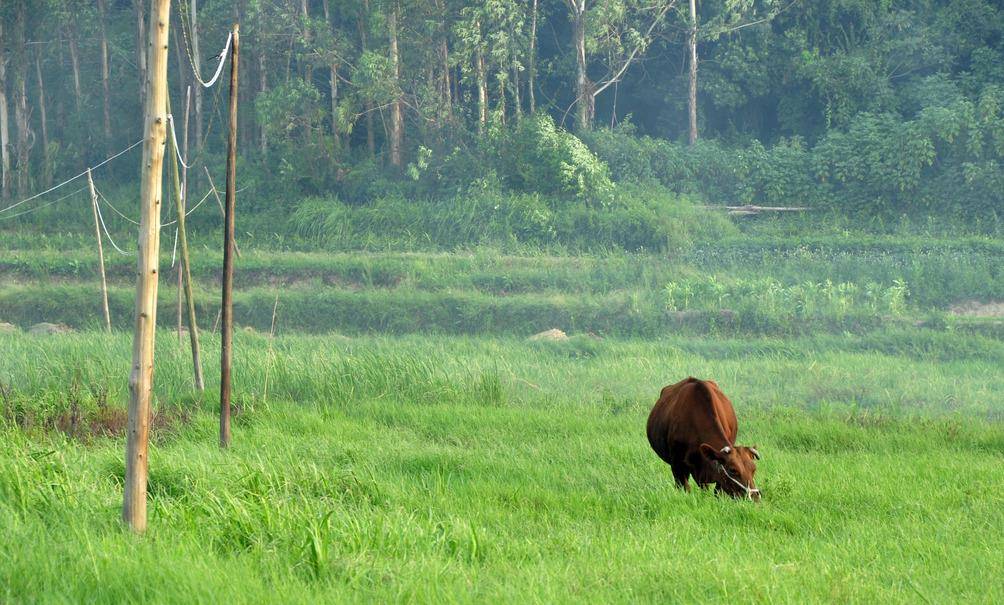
[184,187]
[227,311]
[185,267]
[141,376]
[101,252]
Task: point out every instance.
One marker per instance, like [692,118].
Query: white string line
[219,68]
[194,208]
[174,251]
[174,142]
[84,173]
[23,212]
[108,235]
[102,196]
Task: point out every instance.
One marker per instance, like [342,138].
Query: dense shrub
[639,218]
[539,156]
[947,160]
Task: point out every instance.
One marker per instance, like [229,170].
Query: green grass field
[401,441]
[459,469]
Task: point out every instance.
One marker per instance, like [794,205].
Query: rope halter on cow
[749,491]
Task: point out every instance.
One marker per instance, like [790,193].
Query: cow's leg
[681,473]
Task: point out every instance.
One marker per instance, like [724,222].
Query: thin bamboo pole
[141,376]
[185,268]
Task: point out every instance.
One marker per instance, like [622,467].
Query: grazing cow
[693,428]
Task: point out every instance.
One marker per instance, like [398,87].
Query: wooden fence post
[227,310]
[141,376]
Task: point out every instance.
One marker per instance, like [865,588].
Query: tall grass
[471,470]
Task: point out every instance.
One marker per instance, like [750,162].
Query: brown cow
[693,428]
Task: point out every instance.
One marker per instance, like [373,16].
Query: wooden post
[185,267]
[101,252]
[227,311]
[219,202]
[184,193]
[141,376]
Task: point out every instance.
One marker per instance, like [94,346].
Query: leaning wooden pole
[101,252]
[141,376]
[227,311]
[185,268]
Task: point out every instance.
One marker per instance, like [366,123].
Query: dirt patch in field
[975,308]
[84,418]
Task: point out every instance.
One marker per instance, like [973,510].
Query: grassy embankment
[752,285]
[458,469]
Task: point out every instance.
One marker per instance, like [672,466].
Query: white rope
[105,200]
[22,213]
[174,251]
[219,68]
[69,180]
[749,490]
[108,235]
[174,142]
[194,208]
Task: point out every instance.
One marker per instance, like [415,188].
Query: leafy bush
[540,157]
[765,301]
[947,160]
[641,218]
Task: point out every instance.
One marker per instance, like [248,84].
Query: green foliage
[638,219]
[539,156]
[945,161]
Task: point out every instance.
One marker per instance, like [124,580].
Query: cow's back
[689,413]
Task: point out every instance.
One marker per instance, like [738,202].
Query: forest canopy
[862,106]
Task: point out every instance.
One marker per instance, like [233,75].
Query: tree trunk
[102,17]
[396,119]
[479,67]
[584,96]
[444,55]
[308,68]
[21,98]
[516,101]
[333,79]
[532,68]
[75,65]
[43,118]
[5,175]
[692,95]
[262,88]
[368,106]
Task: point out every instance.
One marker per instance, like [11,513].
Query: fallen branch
[749,209]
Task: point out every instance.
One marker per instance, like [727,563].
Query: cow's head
[732,469]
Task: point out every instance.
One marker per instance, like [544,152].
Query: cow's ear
[756,454]
[711,453]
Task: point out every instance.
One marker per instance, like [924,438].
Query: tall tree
[43,119]
[5,145]
[24,134]
[396,115]
[692,60]
[105,77]
[619,30]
